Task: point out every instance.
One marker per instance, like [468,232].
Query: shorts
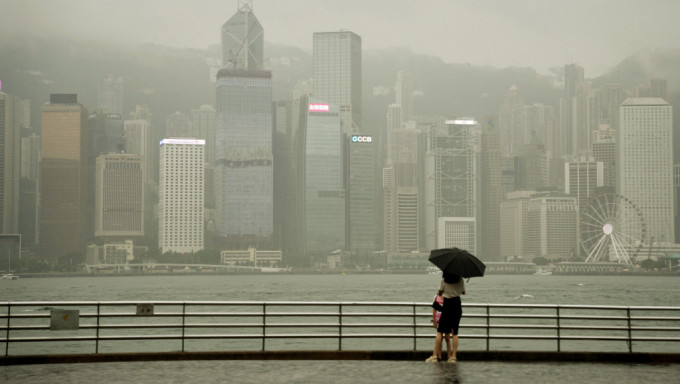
[450,319]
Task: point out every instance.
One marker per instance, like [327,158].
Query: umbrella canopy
[457,261]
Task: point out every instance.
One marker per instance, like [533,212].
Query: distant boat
[274,269]
[9,276]
[543,272]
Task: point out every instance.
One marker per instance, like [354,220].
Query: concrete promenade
[503,356]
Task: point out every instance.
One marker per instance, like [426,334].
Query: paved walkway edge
[512,356]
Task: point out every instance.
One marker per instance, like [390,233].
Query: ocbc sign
[361,139]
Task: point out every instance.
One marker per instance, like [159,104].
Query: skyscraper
[243,39]
[451,176]
[243,158]
[361,226]
[110,95]
[180,188]
[491,191]
[325,194]
[582,177]
[571,111]
[552,223]
[178,125]
[63,176]
[203,120]
[336,60]
[645,161]
[404,95]
[119,196]
[11,121]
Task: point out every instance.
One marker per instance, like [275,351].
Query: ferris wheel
[612,229]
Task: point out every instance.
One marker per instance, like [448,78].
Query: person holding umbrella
[450,288]
[456,264]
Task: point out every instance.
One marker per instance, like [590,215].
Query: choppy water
[595,290]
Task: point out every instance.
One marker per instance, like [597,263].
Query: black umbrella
[457,261]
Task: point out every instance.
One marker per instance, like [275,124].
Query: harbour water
[512,289]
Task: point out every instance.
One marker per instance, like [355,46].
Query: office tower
[582,177]
[571,111]
[63,177]
[26,114]
[324,204]
[178,125]
[645,162]
[119,196]
[491,191]
[243,159]
[30,157]
[11,118]
[141,121]
[288,150]
[604,151]
[552,222]
[513,224]
[243,39]
[336,60]
[137,136]
[508,175]
[511,123]
[608,99]
[451,176]
[404,95]
[531,165]
[105,134]
[180,189]
[110,95]
[361,207]
[400,193]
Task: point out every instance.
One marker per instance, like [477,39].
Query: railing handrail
[340,319]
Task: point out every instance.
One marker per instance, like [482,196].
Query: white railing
[248,325]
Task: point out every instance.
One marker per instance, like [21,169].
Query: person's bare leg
[454,342]
[449,351]
[438,345]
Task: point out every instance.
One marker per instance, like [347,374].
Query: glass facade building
[337,74]
[324,180]
[243,154]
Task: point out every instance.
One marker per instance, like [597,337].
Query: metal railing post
[415,338]
[264,325]
[559,330]
[9,315]
[340,327]
[488,328]
[184,311]
[96,342]
[630,333]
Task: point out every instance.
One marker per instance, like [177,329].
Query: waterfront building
[645,161]
[63,176]
[243,159]
[110,95]
[450,175]
[180,210]
[491,191]
[243,39]
[11,119]
[552,222]
[513,224]
[459,232]
[336,59]
[30,157]
[360,187]
[252,256]
[119,196]
[115,252]
[324,180]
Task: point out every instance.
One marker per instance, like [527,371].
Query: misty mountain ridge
[171,79]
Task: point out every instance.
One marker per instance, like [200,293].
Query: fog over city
[522,33]
[338,134]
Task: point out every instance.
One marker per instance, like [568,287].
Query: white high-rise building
[110,95]
[180,191]
[645,161]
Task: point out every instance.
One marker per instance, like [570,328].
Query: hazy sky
[538,33]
